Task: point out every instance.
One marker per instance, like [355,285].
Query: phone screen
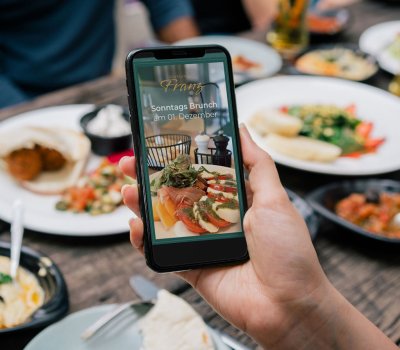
[188,135]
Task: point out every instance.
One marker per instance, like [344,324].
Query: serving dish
[324,199]
[65,335]
[266,57]
[376,40]
[101,145]
[56,301]
[40,212]
[373,105]
[337,51]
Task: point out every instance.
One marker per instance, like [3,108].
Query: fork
[112,317]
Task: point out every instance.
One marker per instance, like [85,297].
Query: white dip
[109,122]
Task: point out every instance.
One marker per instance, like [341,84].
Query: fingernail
[130,221]
[123,188]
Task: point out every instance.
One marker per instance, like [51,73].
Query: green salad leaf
[5,278]
[330,124]
[179,173]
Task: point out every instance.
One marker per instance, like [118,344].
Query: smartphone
[188,157]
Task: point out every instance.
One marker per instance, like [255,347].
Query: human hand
[260,12]
[282,281]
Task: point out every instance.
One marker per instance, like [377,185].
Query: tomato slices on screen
[186,216]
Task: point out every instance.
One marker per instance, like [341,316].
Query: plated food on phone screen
[97,193]
[202,199]
[320,133]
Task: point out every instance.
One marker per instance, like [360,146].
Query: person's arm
[173,20]
[281,296]
[260,12]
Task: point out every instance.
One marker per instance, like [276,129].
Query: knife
[147,290]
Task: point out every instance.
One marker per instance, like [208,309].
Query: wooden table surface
[97,269]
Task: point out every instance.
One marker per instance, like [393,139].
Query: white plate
[40,213]
[267,57]
[179,229]
[65,334]
[375,105]
[376,39]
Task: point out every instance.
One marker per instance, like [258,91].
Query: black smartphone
[189,163]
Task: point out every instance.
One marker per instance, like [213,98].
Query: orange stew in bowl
[379,215]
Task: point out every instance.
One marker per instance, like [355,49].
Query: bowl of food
[108,129]
[328,23]
[370,208]
[37,298]
[340,61]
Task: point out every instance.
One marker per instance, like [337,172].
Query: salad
[97,193]
[338,126]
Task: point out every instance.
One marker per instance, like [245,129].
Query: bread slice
[303,148]
[268,121]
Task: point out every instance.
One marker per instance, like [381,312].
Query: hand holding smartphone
[192,201]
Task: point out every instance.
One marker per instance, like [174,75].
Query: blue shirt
[49,44]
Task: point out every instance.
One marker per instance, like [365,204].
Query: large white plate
[376,39]
[179,229]
[40,214]
[65,334]
[267,57]
[375,105]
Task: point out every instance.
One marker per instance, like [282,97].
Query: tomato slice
[223,177]
[351,109]
[372,144]
[189,221]
[218,197]
[223,188]
[217,221]
[364,129]
[284,109]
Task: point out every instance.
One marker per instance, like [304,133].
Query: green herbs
[179,173]
[330,124]
[5,278]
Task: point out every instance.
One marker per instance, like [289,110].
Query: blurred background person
[49,44]
[180,19]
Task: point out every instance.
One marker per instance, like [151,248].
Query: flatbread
[173,324]
[73,145]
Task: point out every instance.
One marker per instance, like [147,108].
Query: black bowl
[352,47]
[324,199]
[104,146]
[306,211]
[55,305]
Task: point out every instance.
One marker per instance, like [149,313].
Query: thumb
[263,177]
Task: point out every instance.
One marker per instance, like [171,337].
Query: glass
[289,32]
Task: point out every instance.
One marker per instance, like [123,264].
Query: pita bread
[303,148]
[73,145]
[173,324]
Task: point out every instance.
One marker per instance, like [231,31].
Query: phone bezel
[183,255]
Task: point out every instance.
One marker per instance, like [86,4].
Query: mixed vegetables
[96,193]
[339,126]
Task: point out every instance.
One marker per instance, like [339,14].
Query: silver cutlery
[17,232]
[111,317]
[146,289]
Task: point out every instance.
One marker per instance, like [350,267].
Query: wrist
[302,323]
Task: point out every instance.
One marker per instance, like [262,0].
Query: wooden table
[97,269]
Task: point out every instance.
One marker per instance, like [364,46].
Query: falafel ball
[24,164]
[52,159]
